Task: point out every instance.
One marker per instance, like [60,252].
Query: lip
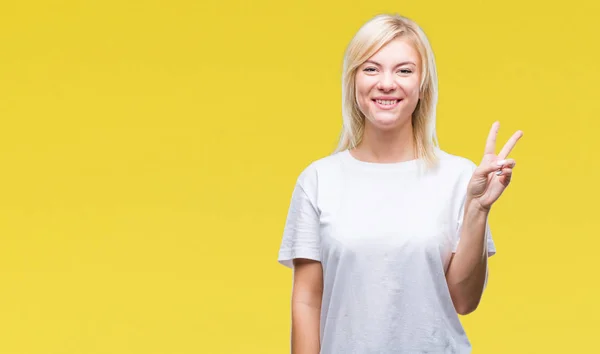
[386,98]
[386,107]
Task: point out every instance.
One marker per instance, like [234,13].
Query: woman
[373,230]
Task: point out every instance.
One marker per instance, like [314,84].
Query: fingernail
[498,173]
[501,162]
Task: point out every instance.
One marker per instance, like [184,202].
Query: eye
[369,70]
[405,71]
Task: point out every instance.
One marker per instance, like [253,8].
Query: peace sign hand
[493,174]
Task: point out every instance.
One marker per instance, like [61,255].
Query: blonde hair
[371,37]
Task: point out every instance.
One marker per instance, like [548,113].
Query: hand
[494,173]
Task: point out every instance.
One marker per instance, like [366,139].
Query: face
[387,85]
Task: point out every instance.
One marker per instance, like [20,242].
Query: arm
[467,273]
[306,306]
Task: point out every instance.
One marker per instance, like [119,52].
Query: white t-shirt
[384,234]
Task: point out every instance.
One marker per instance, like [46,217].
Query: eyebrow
[399,64]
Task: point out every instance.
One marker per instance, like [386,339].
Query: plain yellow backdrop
[148,151]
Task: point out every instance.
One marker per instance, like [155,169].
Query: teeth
[386,102]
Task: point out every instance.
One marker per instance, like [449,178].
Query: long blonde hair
[371,37]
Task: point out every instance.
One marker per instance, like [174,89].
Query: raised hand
[494,173]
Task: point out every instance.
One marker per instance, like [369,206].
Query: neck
[389,146]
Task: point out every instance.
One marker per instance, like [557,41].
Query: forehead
[398,50]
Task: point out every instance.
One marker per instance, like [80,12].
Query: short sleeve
[301,232]
[462,193]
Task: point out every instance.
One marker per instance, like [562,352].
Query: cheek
[412,88]
[417,89]
[362,91]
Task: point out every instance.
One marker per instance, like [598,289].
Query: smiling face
[387,85]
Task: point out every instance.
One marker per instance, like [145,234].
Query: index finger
[490,145]
[510,144]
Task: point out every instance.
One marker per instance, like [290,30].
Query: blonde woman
[388,236]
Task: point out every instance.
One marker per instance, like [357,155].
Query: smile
[386,104]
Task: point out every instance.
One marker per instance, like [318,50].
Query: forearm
[305,328]
[467,272]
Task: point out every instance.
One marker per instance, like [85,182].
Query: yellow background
[148,151]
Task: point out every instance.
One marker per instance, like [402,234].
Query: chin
[386,121]
[384,125]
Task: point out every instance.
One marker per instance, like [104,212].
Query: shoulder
[318,169]
[455,173]
[451,162]
[454,166]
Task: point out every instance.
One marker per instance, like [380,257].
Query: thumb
[492,166]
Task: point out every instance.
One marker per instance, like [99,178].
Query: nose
[386,83]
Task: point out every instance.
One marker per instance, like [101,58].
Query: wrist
[473,206]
